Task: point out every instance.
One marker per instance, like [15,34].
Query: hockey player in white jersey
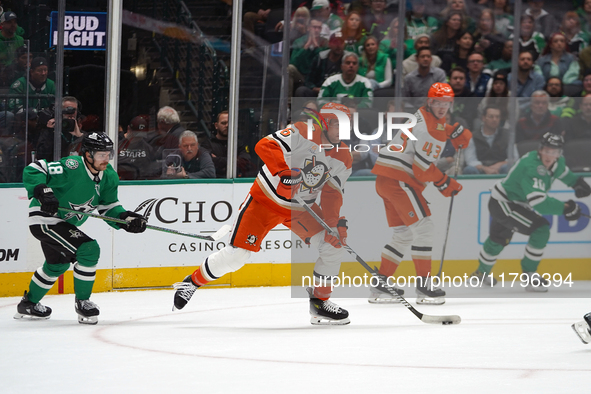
[293,164]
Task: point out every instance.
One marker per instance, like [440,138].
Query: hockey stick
[585,215]
[451,204]
[451,319]
[225,229]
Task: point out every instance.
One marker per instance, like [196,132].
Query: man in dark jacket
[194,163]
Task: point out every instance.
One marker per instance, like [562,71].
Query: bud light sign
[82,30]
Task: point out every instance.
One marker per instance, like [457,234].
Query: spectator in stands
[559,104]
[168,131]
[529,39]
[353,33]
[255,13]
[418,82]
[299,24]
[364,161]
[16,147]
[457,81]
[327,63]
[557,62]
[443,40]
[503,17]
[488,40]
[18,68]
[584,14]
[360,6]
[586,84]
[194,163]
[377,19]
[498,96]
[538,120]
[464,46]
[545,22]
[476,80]
[528,80]
[38,84]
[459,6]
[410,64]
[331,22]
[418,22]
[580,124]
[136,156]
[9,40]
[375,65]
[389,45]
[488,149]
[576,38]
[304,50]
[504,62]
[70,132]
[218,148]
[348,83]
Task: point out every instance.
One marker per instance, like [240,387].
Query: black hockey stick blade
[225,229]
[445,320]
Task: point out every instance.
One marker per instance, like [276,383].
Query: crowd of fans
[467,43]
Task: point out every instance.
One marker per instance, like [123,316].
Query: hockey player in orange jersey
[402,175]
[293,164]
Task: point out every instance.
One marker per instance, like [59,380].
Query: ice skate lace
[331,307]
[186,290]
[40,308]
[88,305]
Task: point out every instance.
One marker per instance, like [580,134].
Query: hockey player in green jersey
[517,203]
[83,183]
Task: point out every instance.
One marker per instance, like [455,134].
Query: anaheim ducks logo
[315,173]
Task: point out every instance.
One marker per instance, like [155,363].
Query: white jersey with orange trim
[288,149]
[414,162]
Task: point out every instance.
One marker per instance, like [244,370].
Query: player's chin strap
[451,319]
[90,163]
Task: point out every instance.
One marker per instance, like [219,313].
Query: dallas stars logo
[84,207]
[314,174]
[76,234]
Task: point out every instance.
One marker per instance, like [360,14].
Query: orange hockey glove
[448,186]
[460,137]
[289,182]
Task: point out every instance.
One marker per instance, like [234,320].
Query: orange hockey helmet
[334,106]
[441,91]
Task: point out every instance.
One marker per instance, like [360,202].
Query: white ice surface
[260,340]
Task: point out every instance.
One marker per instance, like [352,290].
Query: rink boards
[156,259]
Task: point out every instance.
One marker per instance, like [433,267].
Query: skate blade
[582,331]
[29,317]
[539,289]
[323,321]
[430,300]
[383,300]
[87,319]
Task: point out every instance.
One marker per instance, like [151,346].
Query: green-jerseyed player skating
[518,202]
[83,183]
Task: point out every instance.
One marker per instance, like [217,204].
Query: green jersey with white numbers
[529,181]
[75,187]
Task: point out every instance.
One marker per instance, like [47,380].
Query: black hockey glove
[572,211]
[49,203]
[136,223]
[582,188]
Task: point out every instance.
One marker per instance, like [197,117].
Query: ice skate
[427,293]
[536,283]
[87,311]
[29,310]
[488,279]
[379,294]
[326,312]
[184,292]
[583,328]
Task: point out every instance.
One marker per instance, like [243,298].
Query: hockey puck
[445,323]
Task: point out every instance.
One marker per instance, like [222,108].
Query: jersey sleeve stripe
[536,200]
[564,173]
[106,208]
[283,143]
[40,166]
[396,159]
[427,162]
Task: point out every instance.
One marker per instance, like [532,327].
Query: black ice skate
[489,280]
[184,292]
[427,293]
[536,283]
[87,311]
[583,328]
[29,310]
[326,312]
[379,294]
